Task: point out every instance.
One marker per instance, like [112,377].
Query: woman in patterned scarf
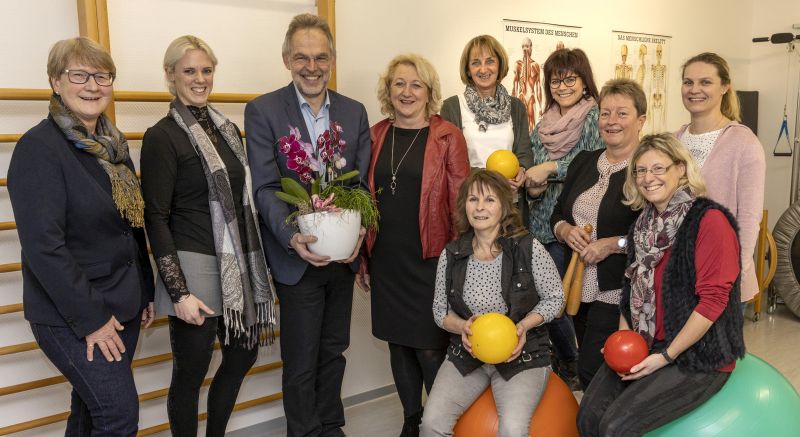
[86,276]
[681,294]
[213,277]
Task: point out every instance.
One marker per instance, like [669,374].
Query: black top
[402,281]
[613,218]
[175,189]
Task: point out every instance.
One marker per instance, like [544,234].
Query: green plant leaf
[349,175]
[293,188]
[315,186]
[293,200]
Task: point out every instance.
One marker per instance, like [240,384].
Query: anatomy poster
[645,58]
[528,45]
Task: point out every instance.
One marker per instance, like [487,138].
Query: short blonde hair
[669,145]
[427,73]
[491,45]
[80,50]
[178,48]
[627,88]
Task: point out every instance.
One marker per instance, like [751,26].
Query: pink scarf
[558,133]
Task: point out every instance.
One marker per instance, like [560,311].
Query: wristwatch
[666,356]
[622,244]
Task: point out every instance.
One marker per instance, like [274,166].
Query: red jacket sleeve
[716,264]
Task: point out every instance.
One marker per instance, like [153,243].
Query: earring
[585,91]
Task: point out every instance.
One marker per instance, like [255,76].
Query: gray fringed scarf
[248,294]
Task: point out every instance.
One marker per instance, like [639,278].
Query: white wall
[768,73]
[246,35]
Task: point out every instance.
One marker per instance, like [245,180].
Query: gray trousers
[452,394]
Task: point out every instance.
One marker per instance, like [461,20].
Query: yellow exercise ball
[494,337]
[503,162]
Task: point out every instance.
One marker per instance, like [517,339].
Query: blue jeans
[452,393]
[561,329]
[104,398]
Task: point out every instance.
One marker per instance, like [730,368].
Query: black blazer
[613,218]
[81,261]
[266,119]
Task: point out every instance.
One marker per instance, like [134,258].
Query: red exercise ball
[625,349]
[554,416]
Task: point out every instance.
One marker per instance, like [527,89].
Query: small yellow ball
[503,162]
[494,337]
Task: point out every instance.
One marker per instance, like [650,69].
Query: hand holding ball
[494,337]
[503,162]
[624,349]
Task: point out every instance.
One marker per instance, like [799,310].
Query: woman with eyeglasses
[592,195]
[213,278]
[729,155]
[86,276]
[567,127]
[681,293]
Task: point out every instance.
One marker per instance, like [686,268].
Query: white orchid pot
[336,232]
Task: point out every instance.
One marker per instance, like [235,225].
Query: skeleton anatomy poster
[644,58]
[528,45]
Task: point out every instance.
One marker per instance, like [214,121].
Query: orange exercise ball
[494,337]
[554,416]
[503,162]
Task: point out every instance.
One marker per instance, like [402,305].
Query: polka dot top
[585,210]
[482,292]
[700,145]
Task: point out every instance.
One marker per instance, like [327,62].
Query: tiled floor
[775,338]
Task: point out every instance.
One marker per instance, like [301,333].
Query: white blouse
[481,144]
[700,145]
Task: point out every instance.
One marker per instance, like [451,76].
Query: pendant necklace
[392,168]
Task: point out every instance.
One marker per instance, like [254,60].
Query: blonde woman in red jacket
[418,162]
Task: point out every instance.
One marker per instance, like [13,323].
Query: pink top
[734,173]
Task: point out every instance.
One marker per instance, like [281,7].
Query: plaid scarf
[653,235]
[248,294]
[108,145]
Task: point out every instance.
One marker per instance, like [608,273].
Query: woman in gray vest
[494,266]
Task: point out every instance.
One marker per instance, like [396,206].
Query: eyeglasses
[569,81]
[80,77]
[303,60]
[656,170]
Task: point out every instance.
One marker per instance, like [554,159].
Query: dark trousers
[192,348]
[104,398]
[315,332]
[411,368]
[594,322]
[613,407]
[561,329]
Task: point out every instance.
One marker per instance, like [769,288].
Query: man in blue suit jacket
[315,294]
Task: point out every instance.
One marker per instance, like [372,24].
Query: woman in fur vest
[681,293]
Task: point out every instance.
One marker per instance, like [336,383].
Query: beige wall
[246,35]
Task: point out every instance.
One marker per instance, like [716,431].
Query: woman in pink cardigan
[730,156]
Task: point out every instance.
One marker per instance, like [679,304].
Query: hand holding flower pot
[335,213]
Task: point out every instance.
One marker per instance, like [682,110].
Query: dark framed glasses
[80,77]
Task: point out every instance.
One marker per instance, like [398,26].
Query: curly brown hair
[486,180]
